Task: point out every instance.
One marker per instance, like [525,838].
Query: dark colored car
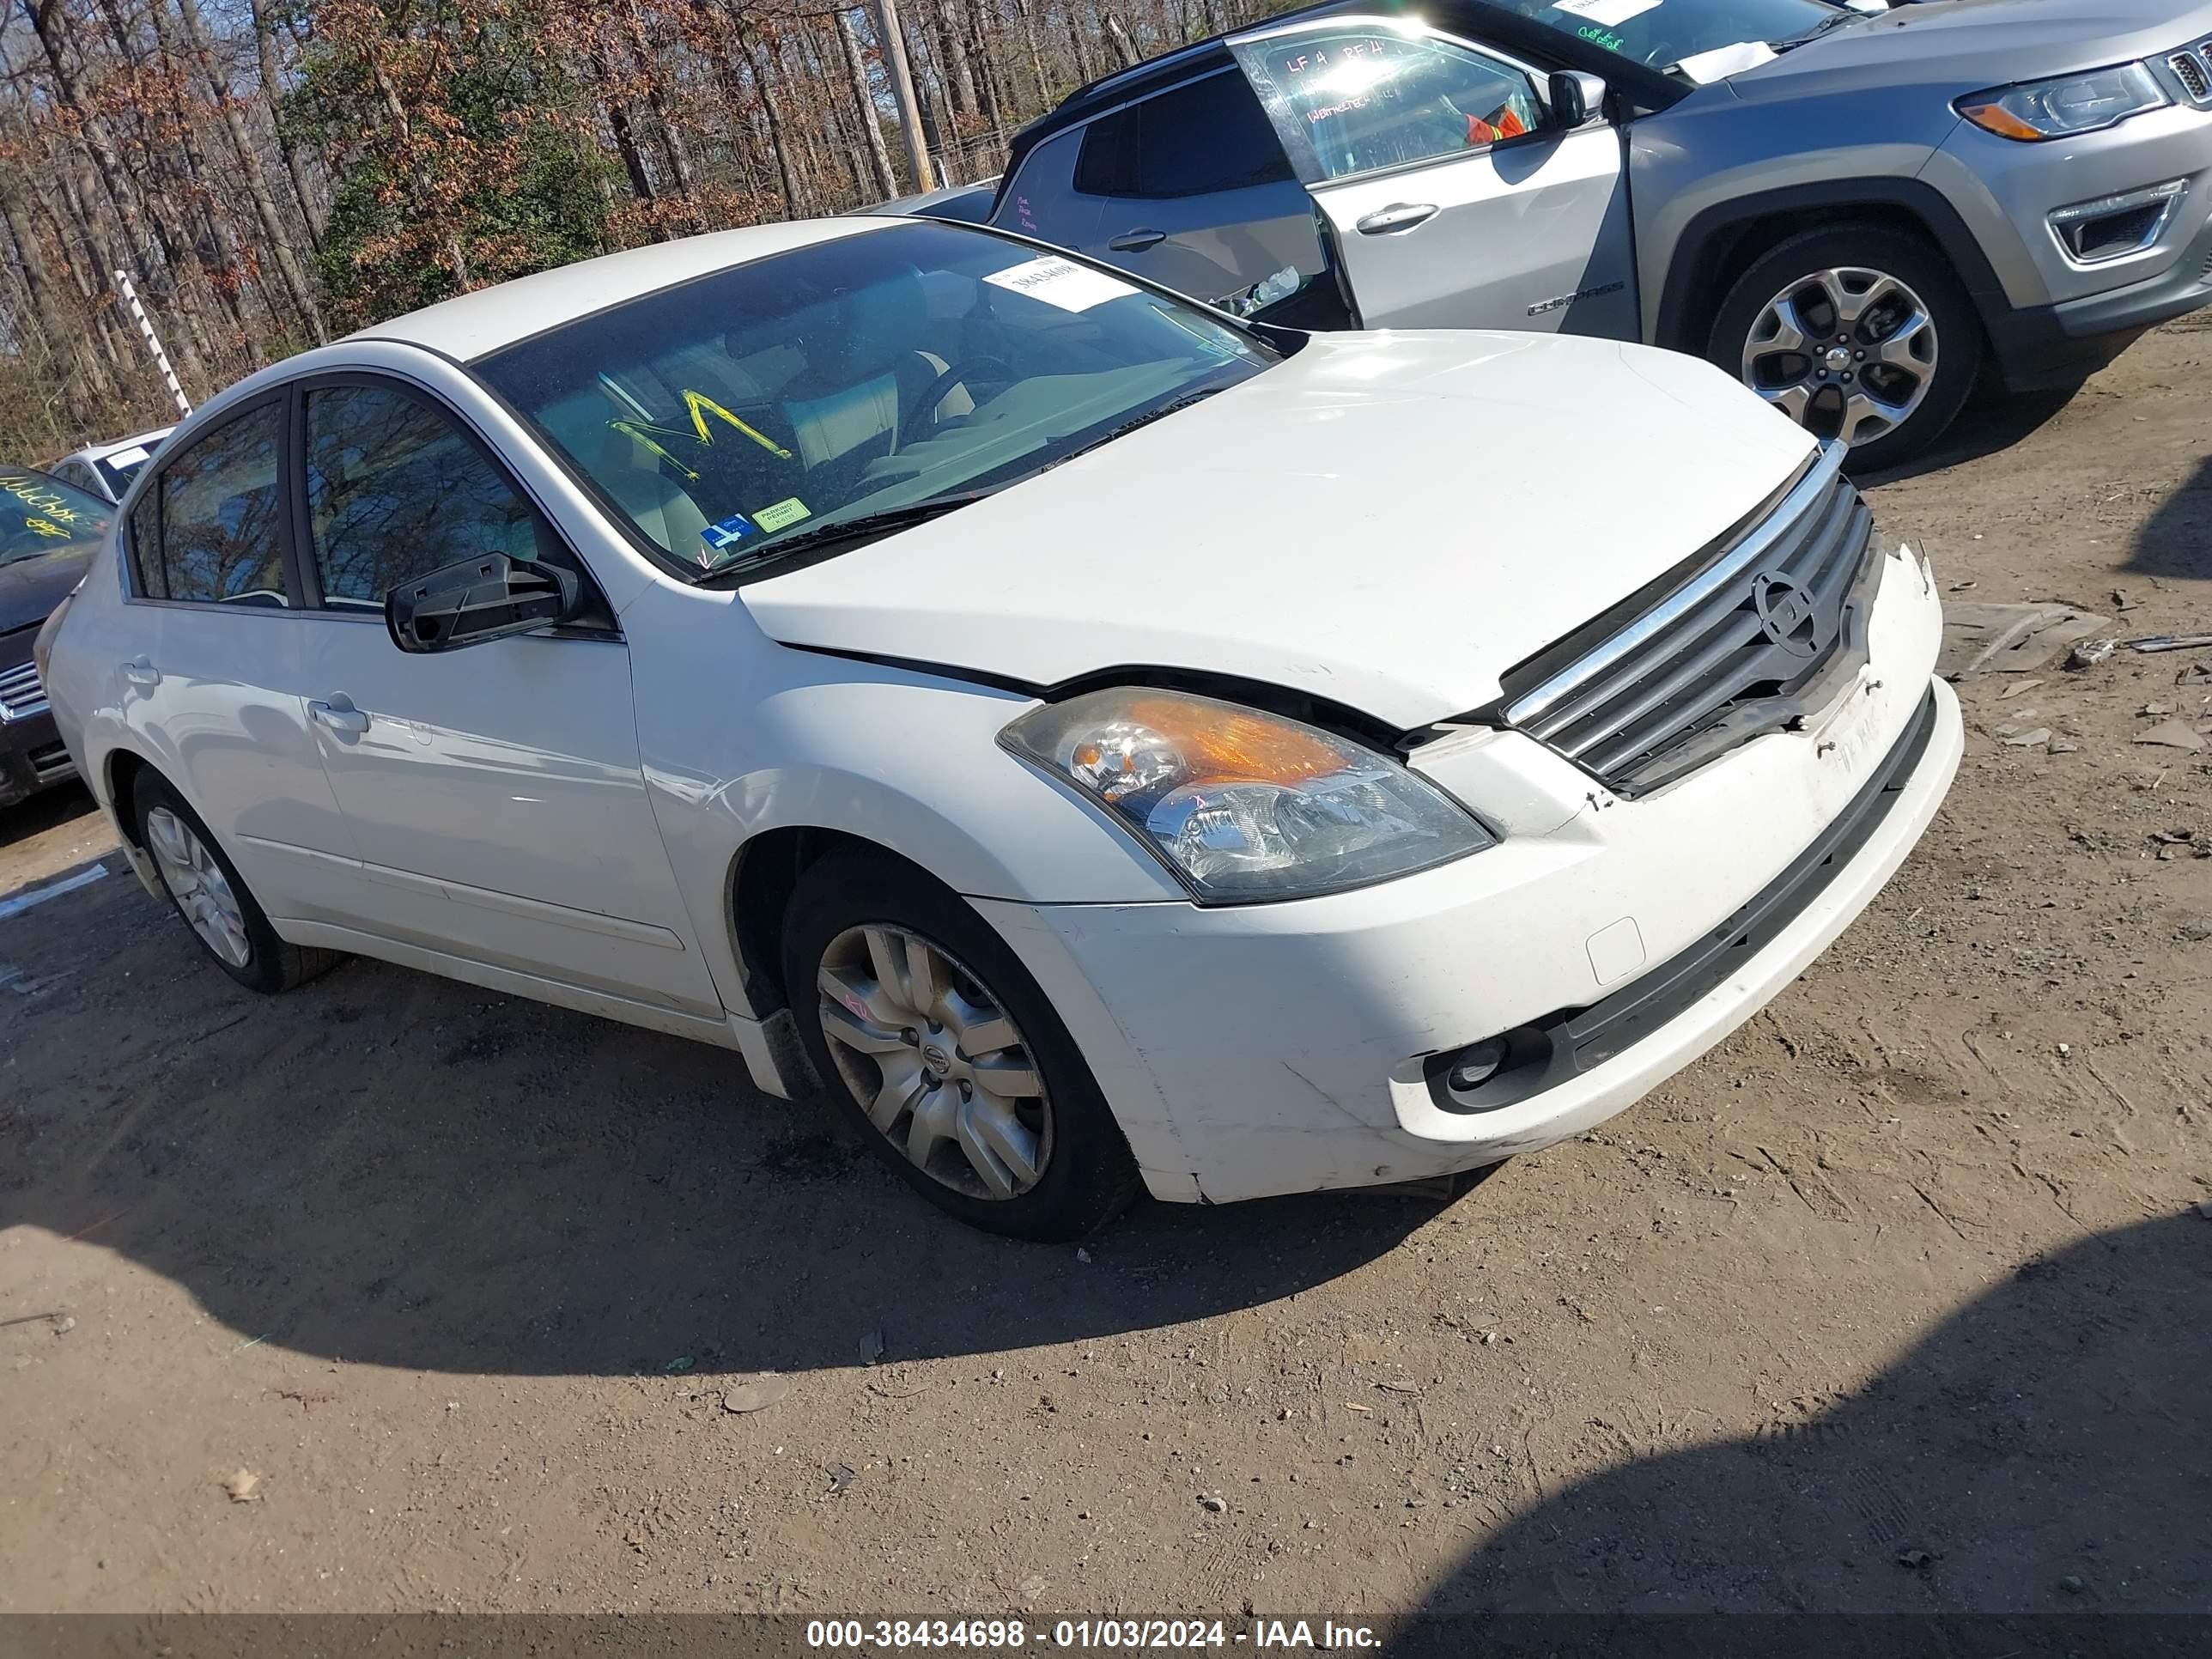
[48,531]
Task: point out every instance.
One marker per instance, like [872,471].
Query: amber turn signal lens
[1219,743]
[1994,118]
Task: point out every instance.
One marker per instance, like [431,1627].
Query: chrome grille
[51,764]
[20,693]
[1717,658]
[2189,67]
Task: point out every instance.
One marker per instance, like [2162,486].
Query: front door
[494,791]
[1451,199]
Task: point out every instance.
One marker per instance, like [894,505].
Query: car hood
[1389,521]
[30,588]
[1968,45]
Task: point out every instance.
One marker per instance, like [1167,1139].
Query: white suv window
[1367,98]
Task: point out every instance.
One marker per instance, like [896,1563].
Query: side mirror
[486,597]
[1576,95]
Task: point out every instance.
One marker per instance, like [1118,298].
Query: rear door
[1196,193]
[1452,201]
[213,687]
[1041,199]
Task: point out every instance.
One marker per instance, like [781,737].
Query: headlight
[1242,805]
[2037,110]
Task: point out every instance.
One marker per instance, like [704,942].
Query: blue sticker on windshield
[720,537]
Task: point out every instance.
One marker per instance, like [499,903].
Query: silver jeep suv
[1853,211]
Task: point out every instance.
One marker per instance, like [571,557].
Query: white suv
[1100,743]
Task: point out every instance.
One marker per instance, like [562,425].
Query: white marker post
[153,342]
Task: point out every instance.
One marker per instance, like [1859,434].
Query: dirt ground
[1901,1300]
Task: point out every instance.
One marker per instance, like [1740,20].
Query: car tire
[212,899]
[1013,1137]
[1855,289]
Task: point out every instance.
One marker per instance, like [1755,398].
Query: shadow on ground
[2046,1452]
[2178,540]
[391,1168]
[1993,419]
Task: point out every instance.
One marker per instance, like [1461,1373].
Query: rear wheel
[929,1031]
[1862,333]
[213,898]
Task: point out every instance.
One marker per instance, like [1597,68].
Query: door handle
[1136,241]
[1399,215]
[140,671]
[339,715]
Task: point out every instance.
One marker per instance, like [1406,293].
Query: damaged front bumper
[1285,1048]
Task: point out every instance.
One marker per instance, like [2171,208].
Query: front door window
[1359,98]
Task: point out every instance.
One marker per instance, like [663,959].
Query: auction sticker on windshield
[1607,14]
[1061,282]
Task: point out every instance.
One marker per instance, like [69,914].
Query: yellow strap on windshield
[699,406]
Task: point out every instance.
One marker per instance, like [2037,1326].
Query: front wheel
[1860,333]
[929,1031]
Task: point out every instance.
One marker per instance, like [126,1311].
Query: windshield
[122,465]
[40,515]
[1662,33]
[862,379]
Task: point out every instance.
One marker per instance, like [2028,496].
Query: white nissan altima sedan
[1101,743]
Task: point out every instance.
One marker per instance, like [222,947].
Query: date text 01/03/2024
[1123,1634]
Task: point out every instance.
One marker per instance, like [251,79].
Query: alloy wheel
[935,1061]
[197,882]
[1846,352]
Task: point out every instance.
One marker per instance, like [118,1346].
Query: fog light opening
[1497,1072]
[1476,1066]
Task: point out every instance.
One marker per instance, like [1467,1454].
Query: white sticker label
[1062,283]
[1707,67]
[1605,14]
[130,457]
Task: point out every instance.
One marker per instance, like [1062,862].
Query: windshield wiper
[860,527]
[1128,425]
[1816,31]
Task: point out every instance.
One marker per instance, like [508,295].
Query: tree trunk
[208,222]
[1124,48]
[794,195]
[618,123]
[954,65]
[856,71]
[111,181]
[1078,44]
[1027,11]
[37,279]
[672,141]
[249,161]
[311,210]
[937,129]
[975,26]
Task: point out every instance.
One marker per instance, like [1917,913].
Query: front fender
[1714,163]
[905,760]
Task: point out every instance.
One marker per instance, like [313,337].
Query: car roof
[474,324]
[1509,29]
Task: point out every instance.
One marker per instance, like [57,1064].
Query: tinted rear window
[1209,136]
